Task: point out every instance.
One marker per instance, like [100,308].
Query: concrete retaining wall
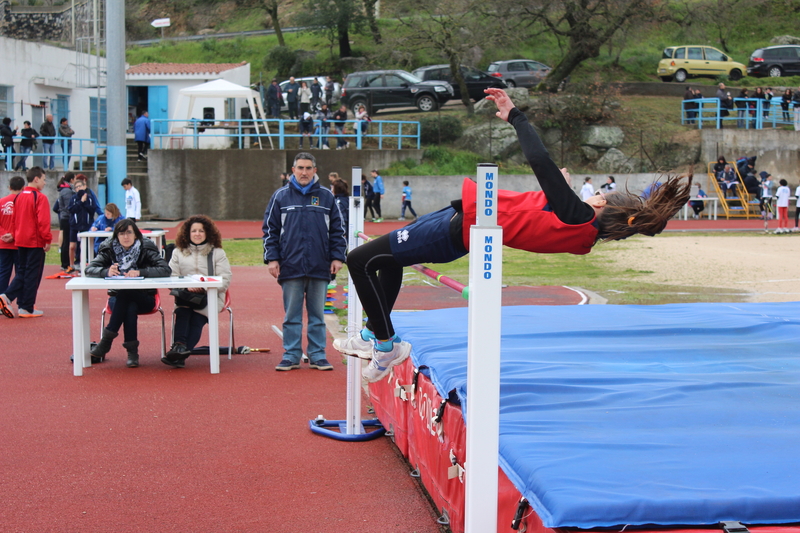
[778,151]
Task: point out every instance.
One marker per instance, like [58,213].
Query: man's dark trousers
[27,279]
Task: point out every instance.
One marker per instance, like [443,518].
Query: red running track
[163,449]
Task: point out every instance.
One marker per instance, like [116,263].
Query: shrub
[280,59]
[440,129]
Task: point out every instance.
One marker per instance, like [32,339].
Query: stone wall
[237,184]
[40,23]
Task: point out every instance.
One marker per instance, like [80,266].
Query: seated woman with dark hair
[197,237]
[127,254]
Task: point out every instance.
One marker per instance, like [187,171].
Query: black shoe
[322,364]
[177,355]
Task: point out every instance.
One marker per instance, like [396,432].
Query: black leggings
[377,277]
[126,308]
[376,203]
[368,205]
[796,215]
[63,225]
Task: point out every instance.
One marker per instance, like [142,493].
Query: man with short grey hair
[48,129]
[304,244]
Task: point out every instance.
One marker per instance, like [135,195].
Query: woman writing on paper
[129,255]
[197,238]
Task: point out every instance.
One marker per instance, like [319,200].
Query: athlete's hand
[501,99]
[565,173]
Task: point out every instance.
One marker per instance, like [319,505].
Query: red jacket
[527,225]
[31,219]
[6,212]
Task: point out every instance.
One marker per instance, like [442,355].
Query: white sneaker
[401,218]
[30,314]
[382,362]
[356,346]
[5,307]
[326,147]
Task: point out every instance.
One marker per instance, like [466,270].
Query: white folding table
[713,199]
[87,245]
[80,288]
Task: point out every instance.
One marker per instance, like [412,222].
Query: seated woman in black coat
[127,254]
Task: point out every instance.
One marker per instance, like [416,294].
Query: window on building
[6,101]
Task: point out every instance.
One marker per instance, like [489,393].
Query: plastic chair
[226,307]
[156,309]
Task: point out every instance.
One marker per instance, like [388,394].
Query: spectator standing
[292,90]
[30,232]
[141,134]
[330,87]
[727,108]
[341,194]
[721,93]
[741,108]
[760,98]
[65,194]
[323,117]
[127,253]
[9,257]
[796,209]
[26,145]
[379,190]
[133,201]
[587,191]
[316,94]
[106,222]
[198,237]
[305,125]
[406,202]
[690,106]
[609,186]
[304,245]
[66,131]
[783,194]
[698,205]
[786,101]
[274,99]
[82,210]
[304,94]
[284,179]
[339,119]
[368,194]
[768,96]
[48,131]
[7,138]
[796,104]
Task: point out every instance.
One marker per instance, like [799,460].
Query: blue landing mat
[674,415]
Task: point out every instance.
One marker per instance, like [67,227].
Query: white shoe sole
[371,373]
[355,347]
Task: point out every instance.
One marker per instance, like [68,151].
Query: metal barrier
[243,132]
[64,144]
[746,113]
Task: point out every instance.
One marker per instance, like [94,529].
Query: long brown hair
[627,214]
[212,233]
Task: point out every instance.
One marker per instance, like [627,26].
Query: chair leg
[102,321]
[231,344]
[172,332]
[163,335]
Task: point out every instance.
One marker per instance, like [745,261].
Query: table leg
[685,211]
[213,330]
[84,254]
[716,202]
[80,332]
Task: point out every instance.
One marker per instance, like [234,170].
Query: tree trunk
[458,77]
[576,53]
[369,8]
[344,41]
[272,9]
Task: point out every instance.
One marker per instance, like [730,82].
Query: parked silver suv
[519,72]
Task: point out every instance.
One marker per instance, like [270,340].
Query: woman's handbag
[194,300]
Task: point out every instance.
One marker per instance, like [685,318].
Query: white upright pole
[354,311]
[483,358]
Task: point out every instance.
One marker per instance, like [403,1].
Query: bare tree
[334,18]
[585,25]
[272,10]
[452,28]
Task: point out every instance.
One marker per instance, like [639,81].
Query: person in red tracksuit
[9,259]
[553,220]
[30,232]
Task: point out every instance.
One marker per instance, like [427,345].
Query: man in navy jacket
[304,244]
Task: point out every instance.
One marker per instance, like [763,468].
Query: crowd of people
[746,105]
[29,142]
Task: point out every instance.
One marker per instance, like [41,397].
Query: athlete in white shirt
[587,191]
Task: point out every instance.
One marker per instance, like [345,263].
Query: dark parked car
[381,89]
[519,72]
[775,61]
[475,79]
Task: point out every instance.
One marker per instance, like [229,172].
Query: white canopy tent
[225,89]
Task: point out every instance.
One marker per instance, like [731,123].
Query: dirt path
[768,266]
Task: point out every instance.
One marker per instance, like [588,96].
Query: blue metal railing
[61,151]
[238,131]
[747,113]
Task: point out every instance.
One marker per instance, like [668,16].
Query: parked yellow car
[679,62]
